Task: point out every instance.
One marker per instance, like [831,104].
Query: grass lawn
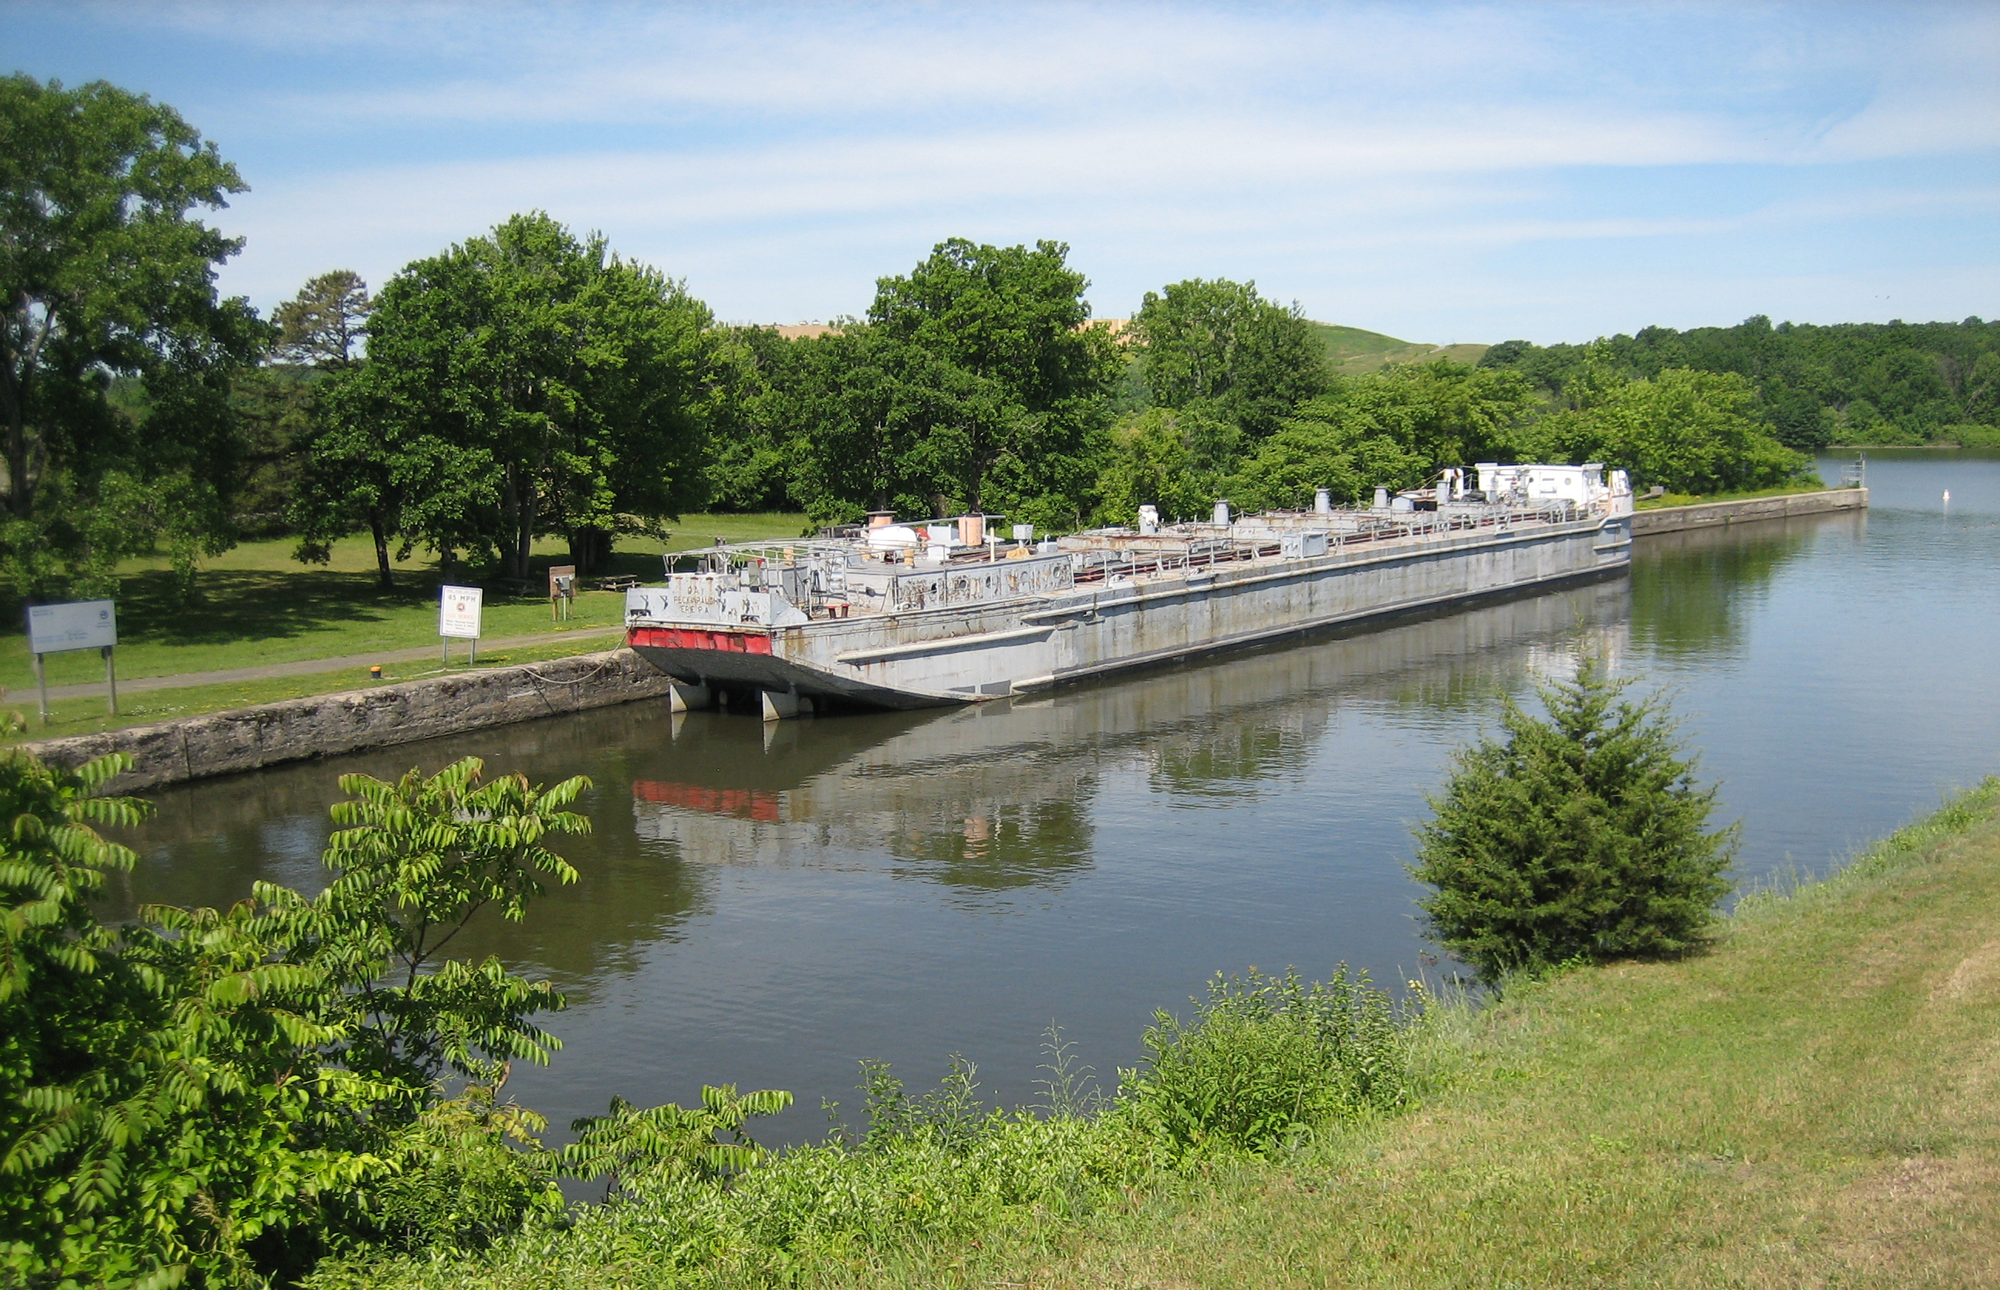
[260,606]
[1814,1103]
[87,716]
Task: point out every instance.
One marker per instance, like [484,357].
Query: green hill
[1353,351]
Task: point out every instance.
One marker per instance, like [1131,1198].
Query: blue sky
[1439,172]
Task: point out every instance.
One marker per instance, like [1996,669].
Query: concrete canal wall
[1676,519]
[223,743]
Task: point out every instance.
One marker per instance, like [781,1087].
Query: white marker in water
[1947,497]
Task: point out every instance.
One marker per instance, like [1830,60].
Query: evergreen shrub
[1582,836]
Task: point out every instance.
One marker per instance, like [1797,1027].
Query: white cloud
[1420,162]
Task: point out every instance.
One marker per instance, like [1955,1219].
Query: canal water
[767,905]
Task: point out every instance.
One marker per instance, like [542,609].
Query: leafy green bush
[1268,1059]
[1263,1059]
[1169,458]
[1579,837]
[1969,436]
[636,1150]
[458,1184]
[216,1096]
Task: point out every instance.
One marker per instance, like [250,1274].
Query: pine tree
[1582,835]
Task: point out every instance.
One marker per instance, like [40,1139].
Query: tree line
[530,382]
[1813,386]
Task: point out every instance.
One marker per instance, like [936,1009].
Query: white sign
[458,612]
[80,624]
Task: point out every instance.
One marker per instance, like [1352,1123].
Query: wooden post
[42,682]
[111,679]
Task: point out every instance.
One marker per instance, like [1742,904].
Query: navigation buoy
[1947,497]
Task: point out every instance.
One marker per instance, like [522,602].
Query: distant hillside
[1353,351]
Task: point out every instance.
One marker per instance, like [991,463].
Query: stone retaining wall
[223,743]
[1673,519]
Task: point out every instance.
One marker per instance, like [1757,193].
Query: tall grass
[1269,1059]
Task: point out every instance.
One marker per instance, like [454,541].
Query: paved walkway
[303,667]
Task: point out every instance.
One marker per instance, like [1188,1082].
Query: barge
[904,616]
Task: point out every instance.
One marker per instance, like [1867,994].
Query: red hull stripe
[742,803]
[694,638]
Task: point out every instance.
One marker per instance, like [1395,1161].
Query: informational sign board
[458,612]
[80,624]
[77,624]
[562,590]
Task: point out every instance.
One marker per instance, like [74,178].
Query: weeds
[1071,1088]
[1269,1059]
[1263,1061]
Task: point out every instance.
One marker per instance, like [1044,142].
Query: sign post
[562,590]
[77,624]
[458,618]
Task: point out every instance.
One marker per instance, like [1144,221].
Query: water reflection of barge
[1002,795]
[899,617]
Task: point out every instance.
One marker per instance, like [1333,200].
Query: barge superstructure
[902,616]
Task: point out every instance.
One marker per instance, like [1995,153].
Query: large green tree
[975,384]
[750,415]
[1683,430]
[105,277]
[324,324]
[528,382]
[1392,429]
[1219,343]
[290,482]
